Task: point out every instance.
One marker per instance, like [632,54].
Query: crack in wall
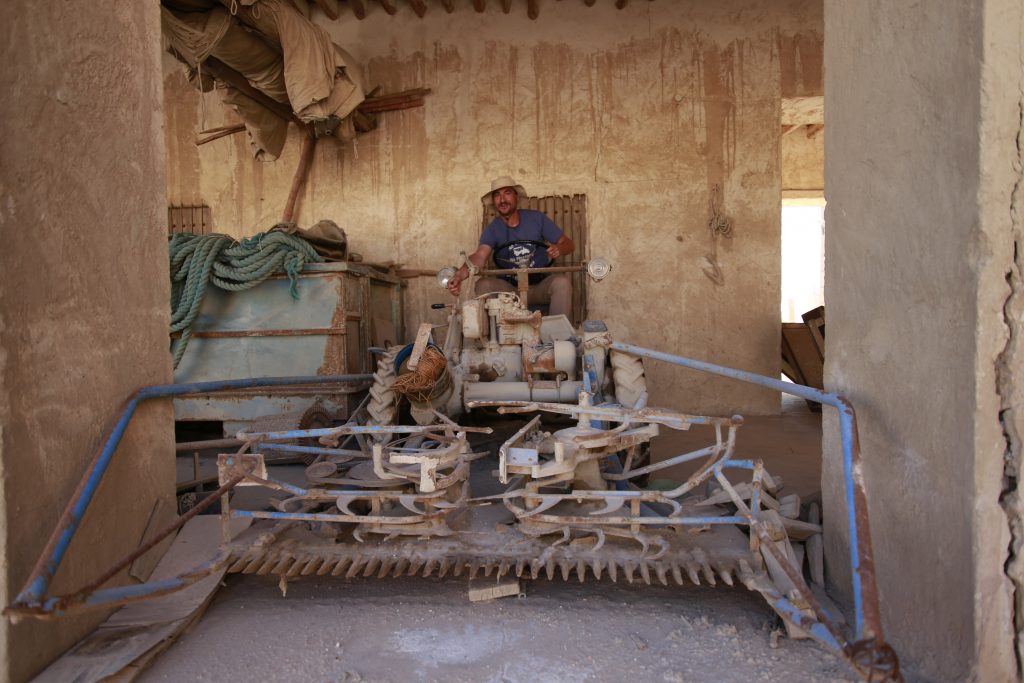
[1010,498]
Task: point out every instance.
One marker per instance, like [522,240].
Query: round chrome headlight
[445,275]
[598,268]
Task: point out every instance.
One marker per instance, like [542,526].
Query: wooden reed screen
[570,214]
[193,219]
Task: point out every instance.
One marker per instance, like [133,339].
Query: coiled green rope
[197,260]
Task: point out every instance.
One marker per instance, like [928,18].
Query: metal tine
[430,567]
[564,565]
[596,565]
[630,568]
[254,564]
[474,568]
[709,574]
[357,564]
[371,567]
[677,574]
[535,568]
[312,566]
[385,567]
[646,573]
[520,566]
[279,567]
[549,568]
[340,567]
[503,568]
[326,567]
[296,568]
[459,566]
[691,571]
[415,564]
[726,575]
[239,563]
[581,569]
[746,575]
[662,571]
[489,566]
[444,568]
[612,567]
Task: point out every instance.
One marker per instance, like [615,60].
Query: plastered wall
[84,293]
[644,110]
[922,288]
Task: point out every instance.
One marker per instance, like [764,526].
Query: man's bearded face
[506,201]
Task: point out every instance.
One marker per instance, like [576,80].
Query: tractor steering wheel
[506,245]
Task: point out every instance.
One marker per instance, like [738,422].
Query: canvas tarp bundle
[314,77]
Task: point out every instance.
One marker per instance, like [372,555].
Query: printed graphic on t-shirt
[522,255]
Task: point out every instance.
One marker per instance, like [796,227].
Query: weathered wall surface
[922,224]
[83,303]
[803,164]
[644,110]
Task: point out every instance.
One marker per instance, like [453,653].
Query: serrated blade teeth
[661,570]
[357,564]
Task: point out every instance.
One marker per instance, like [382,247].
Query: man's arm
[562,247]
[479,259]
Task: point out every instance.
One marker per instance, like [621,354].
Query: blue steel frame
[865,594]
[33,595]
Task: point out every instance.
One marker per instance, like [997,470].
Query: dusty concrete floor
[427,630]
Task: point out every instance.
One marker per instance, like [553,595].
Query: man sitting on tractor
[520,238]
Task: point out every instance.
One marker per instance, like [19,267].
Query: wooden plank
[502,589]
[129,637]
[805,356]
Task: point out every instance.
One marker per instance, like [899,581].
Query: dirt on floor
[414,629]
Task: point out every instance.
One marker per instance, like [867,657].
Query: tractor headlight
[445,275]
[598,268]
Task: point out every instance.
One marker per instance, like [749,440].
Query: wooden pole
[299,181]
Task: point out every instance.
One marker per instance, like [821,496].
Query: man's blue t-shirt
[533,225]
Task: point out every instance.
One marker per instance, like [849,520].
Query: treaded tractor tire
[315,417]
[628,375]
[383,406]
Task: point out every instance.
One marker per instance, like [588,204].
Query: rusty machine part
[567,509]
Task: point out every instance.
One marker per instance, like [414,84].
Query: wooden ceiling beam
[358,8]
[388,7]
[419,6]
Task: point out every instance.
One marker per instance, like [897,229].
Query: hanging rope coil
[198,260]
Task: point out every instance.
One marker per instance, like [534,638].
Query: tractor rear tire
[628,375]
[383,406]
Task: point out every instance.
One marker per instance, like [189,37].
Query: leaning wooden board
[126,642]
